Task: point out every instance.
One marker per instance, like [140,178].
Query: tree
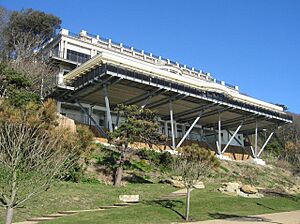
[193,163]
[30,160]
[15,86]
[26,31]
[21,38]
[140,125]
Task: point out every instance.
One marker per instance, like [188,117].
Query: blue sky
[254,44]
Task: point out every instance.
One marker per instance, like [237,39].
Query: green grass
[206,203]
[74,196]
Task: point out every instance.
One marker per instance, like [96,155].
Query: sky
[254,44]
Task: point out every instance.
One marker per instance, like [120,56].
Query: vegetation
[77,196]
[192,164]
[33,151]
[140,125]
[206,203]
[286,145]
[36,152]
[22,34]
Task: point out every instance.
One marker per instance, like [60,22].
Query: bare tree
[192,164]
[31,158]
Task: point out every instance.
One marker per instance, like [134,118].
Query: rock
[199,185]
[129,198]
[293,190]
[230,187]
[65,122]
[177,183]
[76,198]
[245,195]
[257,195]
[248,189]
[179,178]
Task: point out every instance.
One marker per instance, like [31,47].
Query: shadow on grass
[169,204]
[133,178]
[241,218]
[259,204]
[278,193]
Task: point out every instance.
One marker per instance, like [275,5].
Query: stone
[259,161]
[177,183]
[199,185]
[129,198]
[295,189]
[257,195]
[65,122]
[76,198]
[230,187]
[179,178]
[248,189]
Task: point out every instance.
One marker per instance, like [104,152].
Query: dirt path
[275,218]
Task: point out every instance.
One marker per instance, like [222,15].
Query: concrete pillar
[58,107]
[166,128]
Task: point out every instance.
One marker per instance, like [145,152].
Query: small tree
[140,125]
[193,163]
[30,159]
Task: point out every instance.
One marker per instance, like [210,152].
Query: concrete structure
[95,74]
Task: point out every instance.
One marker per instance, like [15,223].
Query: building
[95,74]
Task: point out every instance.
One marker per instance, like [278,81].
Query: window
[77,57]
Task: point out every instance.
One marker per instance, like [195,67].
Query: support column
[118,120]
[219,136]
[91,114]
[175,129]
[172,124]
[256,140]
[107,107]
[166,129]
[58,107]
[184,131]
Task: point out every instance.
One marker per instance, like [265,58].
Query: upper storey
[79,48]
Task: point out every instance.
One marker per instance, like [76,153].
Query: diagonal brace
[189,130]
[265,144]
[232,137]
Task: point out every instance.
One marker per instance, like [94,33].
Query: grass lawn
[205,204]
[74,196]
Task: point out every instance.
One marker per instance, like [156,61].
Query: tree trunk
[187,209]
[9,215]
[119,170]
[118,176]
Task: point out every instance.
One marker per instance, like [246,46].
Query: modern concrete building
[95,74]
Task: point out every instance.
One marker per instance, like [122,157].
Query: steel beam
[164,101]
[207,114]
[107,107]
[231,122]
[172,123]
[188,131]
[219,145]
[144,96]
[194,110]
[262,148]
[232,137]
[256,139]
[93,120]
